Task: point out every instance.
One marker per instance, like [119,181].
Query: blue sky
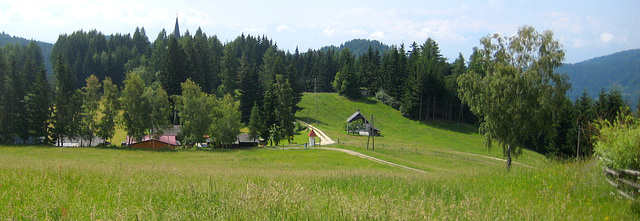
[586,29]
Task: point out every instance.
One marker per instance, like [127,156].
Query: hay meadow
[460,182]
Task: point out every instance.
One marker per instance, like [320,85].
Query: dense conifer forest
[96,75]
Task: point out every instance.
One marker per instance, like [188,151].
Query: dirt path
[326,140]
[351,152]
[488,157]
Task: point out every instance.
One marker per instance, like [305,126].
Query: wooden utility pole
[315,89]
[373,139]
[369,137]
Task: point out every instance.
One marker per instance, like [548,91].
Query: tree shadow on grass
[311,120]
[364,100]
[452,126]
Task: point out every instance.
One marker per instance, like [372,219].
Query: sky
[586,28]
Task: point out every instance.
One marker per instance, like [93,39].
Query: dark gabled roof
[167,139]
[244,138]
[356,116]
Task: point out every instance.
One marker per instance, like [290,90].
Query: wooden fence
[625,180]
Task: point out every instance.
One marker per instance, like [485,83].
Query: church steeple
[176,30]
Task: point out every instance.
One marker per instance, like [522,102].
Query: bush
[618,144]
[387,99]
[300,127]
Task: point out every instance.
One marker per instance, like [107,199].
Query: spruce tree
[251,91]
[255,123]
[38,104]
[65,110]
[4,108]
[174,67]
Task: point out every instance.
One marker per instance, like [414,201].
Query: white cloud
[357,32]
[606,37]
[377,35]
[331,31]
[284,28]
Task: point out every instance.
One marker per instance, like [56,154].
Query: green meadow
[309,184]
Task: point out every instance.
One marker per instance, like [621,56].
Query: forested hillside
[44,46]
[620,70]
[358,47]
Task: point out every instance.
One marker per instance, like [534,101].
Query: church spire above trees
[176,30]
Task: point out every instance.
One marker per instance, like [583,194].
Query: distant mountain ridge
[360,46]
[44,46]
[620,70]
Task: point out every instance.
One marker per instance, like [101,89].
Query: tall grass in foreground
[266,184]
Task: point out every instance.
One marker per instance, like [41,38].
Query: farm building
[358,124]
[154,142]
[245,141]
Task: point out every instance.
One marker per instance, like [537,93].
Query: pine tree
[4,100]
[65,102]
[16,90]
[255,123]
[609,105]
[174,68]
[158,51]
[229,71]
[278,116]
[251,91]
[38,103]
[410,100]
[346,82]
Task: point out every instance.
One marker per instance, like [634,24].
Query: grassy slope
[403,139]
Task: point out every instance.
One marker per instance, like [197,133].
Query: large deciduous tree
[225,126]
[194,112]
[90,107]
[135,108]
[516,97]
[110,107]
[160,114]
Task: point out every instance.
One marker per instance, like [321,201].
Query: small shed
[358,124]
[312,138]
